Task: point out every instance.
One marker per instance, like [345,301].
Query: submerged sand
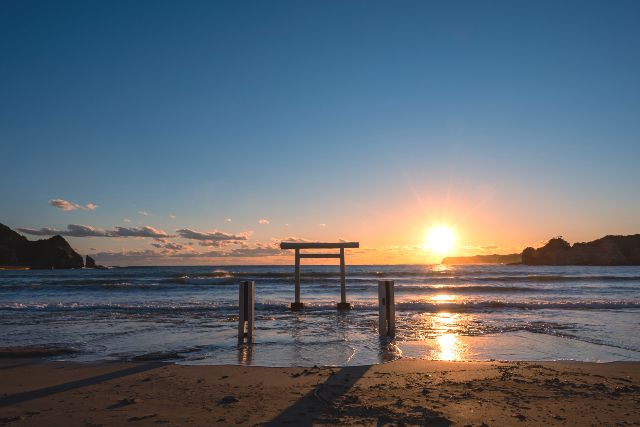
[404,392]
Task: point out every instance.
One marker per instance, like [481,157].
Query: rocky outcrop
[483,259]
[609,250]
[91,263]
[55,252]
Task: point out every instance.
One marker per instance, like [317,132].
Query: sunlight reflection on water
[438,335]
[443,298]
[449,346]
[441,268]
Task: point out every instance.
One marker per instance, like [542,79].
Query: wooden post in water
[386,308]
[343,304]
[246,309]
[297,305]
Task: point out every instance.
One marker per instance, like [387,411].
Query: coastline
[38,392]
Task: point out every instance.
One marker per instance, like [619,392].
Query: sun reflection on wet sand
[449,345]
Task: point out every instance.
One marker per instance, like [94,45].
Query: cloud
[210,243]
[127,257]
[259,250]
[144,213]
[213,237]
[170,246]
[151,255]
[172,216]
[227,219]
[254,252]
[292,239]
[263,221]
[176,246]
[83,231]
[73,230]
[144,231]
[66,205]
[322,225]
[40,232]
[77,230]
[127,220]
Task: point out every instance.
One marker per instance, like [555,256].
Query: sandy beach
[404,392]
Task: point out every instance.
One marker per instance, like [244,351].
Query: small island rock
[89,262]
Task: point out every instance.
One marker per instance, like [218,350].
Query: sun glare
[440,240]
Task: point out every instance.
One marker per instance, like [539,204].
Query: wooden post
[386,308]
[343,304]
[246,311]
[297,305]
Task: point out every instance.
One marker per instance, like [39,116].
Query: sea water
[190,314]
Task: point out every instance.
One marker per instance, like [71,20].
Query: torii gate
[343,304]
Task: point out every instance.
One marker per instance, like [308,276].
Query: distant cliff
[609,250]
[17,251]
[483,259]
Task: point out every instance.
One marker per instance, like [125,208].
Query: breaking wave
[311,307]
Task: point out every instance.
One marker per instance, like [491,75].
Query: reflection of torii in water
[343,304]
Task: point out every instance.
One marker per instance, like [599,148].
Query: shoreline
[507,346]
[38,392]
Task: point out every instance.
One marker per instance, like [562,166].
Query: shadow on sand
[327,403]
[47,391]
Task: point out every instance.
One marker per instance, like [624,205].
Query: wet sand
[34,392]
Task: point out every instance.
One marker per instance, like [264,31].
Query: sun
[440,240]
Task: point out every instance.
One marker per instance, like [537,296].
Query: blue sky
[510,121]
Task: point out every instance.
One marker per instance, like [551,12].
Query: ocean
[190,314]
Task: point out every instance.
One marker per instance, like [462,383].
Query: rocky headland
[608,250]
[54,252]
